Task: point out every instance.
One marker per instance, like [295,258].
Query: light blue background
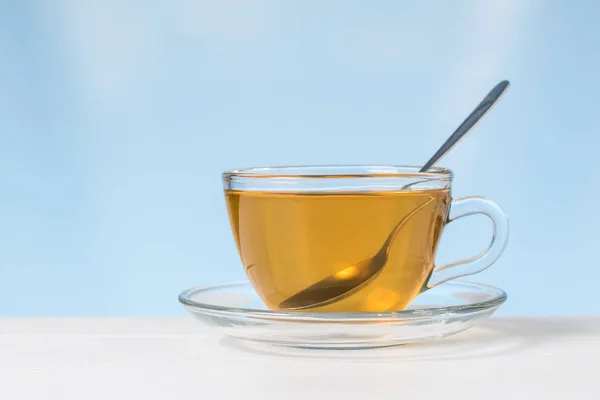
[117,118]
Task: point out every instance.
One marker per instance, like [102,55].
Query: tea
[290,241]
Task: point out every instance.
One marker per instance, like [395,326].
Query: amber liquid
[288,242]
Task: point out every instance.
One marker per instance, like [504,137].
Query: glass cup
[349,238]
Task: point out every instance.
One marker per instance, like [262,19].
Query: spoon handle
[468,123]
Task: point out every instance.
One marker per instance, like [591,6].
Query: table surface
[170,358]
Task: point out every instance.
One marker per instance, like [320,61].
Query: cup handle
[470,206]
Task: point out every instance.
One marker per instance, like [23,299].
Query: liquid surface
[288,242]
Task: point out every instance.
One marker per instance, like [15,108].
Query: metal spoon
[342,283]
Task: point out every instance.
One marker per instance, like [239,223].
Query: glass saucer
[237,311]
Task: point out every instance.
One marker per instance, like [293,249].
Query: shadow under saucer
[496,337]
[482,341]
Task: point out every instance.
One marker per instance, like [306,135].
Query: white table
[175,358]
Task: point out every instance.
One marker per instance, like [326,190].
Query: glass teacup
[349,238]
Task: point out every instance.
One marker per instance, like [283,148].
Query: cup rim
[311,172]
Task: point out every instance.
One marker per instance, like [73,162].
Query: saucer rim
[499,297]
